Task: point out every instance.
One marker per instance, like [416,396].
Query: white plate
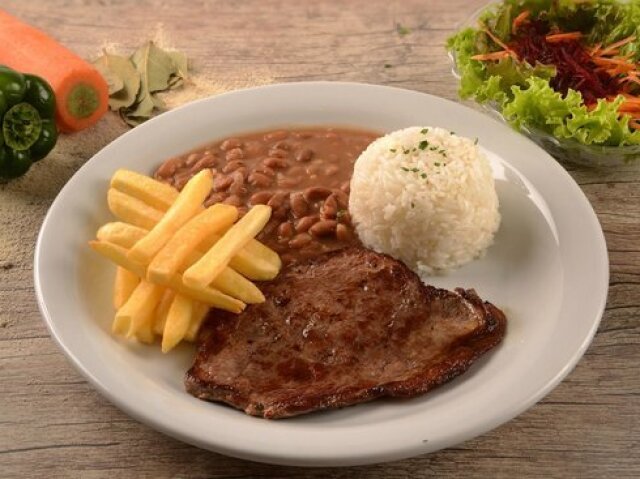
[548,270]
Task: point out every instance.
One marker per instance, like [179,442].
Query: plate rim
[286,458]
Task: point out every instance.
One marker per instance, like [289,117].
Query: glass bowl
[563,149]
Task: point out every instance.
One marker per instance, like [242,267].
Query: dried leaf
[104,65]
[136,80]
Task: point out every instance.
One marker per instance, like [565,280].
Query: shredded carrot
[563,37]
[491,56]
[635,124]
[519,20]
[496,39]
[613,48]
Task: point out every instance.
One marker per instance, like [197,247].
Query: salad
[570,68]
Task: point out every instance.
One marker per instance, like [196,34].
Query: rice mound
[426,197]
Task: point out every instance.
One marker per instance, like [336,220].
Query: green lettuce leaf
[540,107]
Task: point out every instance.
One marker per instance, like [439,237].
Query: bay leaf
[127,96]
[155,66]
[181,64]
[103,65]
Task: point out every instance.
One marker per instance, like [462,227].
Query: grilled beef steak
[341,329]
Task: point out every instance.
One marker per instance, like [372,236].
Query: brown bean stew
[302,173]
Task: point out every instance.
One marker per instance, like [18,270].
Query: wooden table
[52,422]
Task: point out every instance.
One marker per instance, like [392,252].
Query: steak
[342,328]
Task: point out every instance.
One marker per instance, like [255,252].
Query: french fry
[234,284]
[138,309]
[187,204]
[123,285]
[173,256]
[132,210]
[255,261]
[200,311]
[178,321]
[162,310]
[217,258]
[145,333]
[155,193]
[208,295]
[228,282]
[120,233]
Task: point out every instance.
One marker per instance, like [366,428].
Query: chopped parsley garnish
[423,144]
[415,170]
[452,132]
[392,150]
[475,142]
[424,131]
[403,168]
[402,30]
[406,152]
[388,65]
[437,164]
[433,148]
[412,205]
[423,176]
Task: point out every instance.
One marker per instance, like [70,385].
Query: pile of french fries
[176,259]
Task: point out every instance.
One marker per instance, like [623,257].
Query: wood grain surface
[52,422]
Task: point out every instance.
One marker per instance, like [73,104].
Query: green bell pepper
[27,126]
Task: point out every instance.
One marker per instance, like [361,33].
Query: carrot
[491,56]
[81,92]
[563,37]
[635,125]
[613,48]
[519,20]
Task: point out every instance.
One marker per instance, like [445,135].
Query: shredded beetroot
[574,65]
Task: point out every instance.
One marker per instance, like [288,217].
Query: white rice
[426,197]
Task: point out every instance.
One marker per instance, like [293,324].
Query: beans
[234,154]
[331,170]
[181,179]
[300,241]
[259,180]
[282,145]
[276,135]
[260,198]
[343,233]
[168,168]
[233,166]
[281,213]
[237,187]
[265,170]
[346,187]
[299,205]
[276,163]
[345,218]
[285,230]
[316,193]
[214,198]
[253,148]
[278,153]
[277,200]
[231,143]
[304,155]
[234,200]
[329,208]
[192,159]
[222,183]
[207,161]
[306,222]
[342,198]
[288,182]
[323,228]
